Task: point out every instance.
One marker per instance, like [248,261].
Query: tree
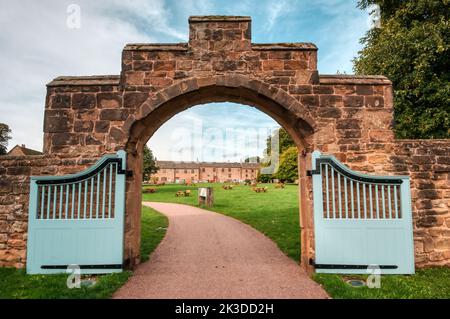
[287,170]
[285,143]
[149,166]
[412,49]
[4,138]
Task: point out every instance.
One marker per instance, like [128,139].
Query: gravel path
[209,255]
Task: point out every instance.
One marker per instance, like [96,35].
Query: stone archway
[288,112]
[348,116]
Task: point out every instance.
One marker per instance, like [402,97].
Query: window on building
[185,171]
[229,175]
[214,169]
[203,169]
[223,170]
[192,171]
[229,169]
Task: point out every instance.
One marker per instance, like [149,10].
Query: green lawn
[274,213]
[153,229]
[15,283]
[426,283]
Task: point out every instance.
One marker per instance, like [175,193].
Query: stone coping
[185,46]
[85,80]
[219,18]
[422,140]
[353,79]
[156,47]
[284,46]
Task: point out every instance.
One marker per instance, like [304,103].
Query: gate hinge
[127,173]
[312,172]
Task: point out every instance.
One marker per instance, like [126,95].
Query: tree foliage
[5,136]
[149,166]
[284,140]
[288,171]
[412,49]
[287,168]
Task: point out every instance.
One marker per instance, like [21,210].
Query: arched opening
[287,112]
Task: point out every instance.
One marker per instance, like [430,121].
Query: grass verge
[153,229]
[426,283]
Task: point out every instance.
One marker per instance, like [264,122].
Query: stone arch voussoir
[228,81]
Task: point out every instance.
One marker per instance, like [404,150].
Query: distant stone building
[20,150]
[175,172]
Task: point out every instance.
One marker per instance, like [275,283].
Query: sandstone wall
[427,162]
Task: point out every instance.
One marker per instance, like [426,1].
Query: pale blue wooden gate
[360,220]
[78,219]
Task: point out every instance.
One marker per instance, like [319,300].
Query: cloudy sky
[36,46]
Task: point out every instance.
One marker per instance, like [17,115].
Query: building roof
[23,150]
[182,165]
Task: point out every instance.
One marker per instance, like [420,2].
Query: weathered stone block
[60,101]
[134,99]
[109,100]
[83,101]
[353,101]
[113,115]
[83,126]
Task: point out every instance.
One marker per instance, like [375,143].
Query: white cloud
[275,9]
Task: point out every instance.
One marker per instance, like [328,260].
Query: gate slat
[60,201]
[352,200]
[365,200]
[54,201]
[334,191]
[326,191]
[72,211]
[358,200]
[104,193]
[85,199]
[91,200]
[395,202]
[97,201]
[79,202]
[346,198]
[67,201]
[42,201]
[389,201]
[377,200]
[110,191]
[339,195]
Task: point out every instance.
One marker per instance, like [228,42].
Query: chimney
[23,145]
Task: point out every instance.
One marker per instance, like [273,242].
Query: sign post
[206,196]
